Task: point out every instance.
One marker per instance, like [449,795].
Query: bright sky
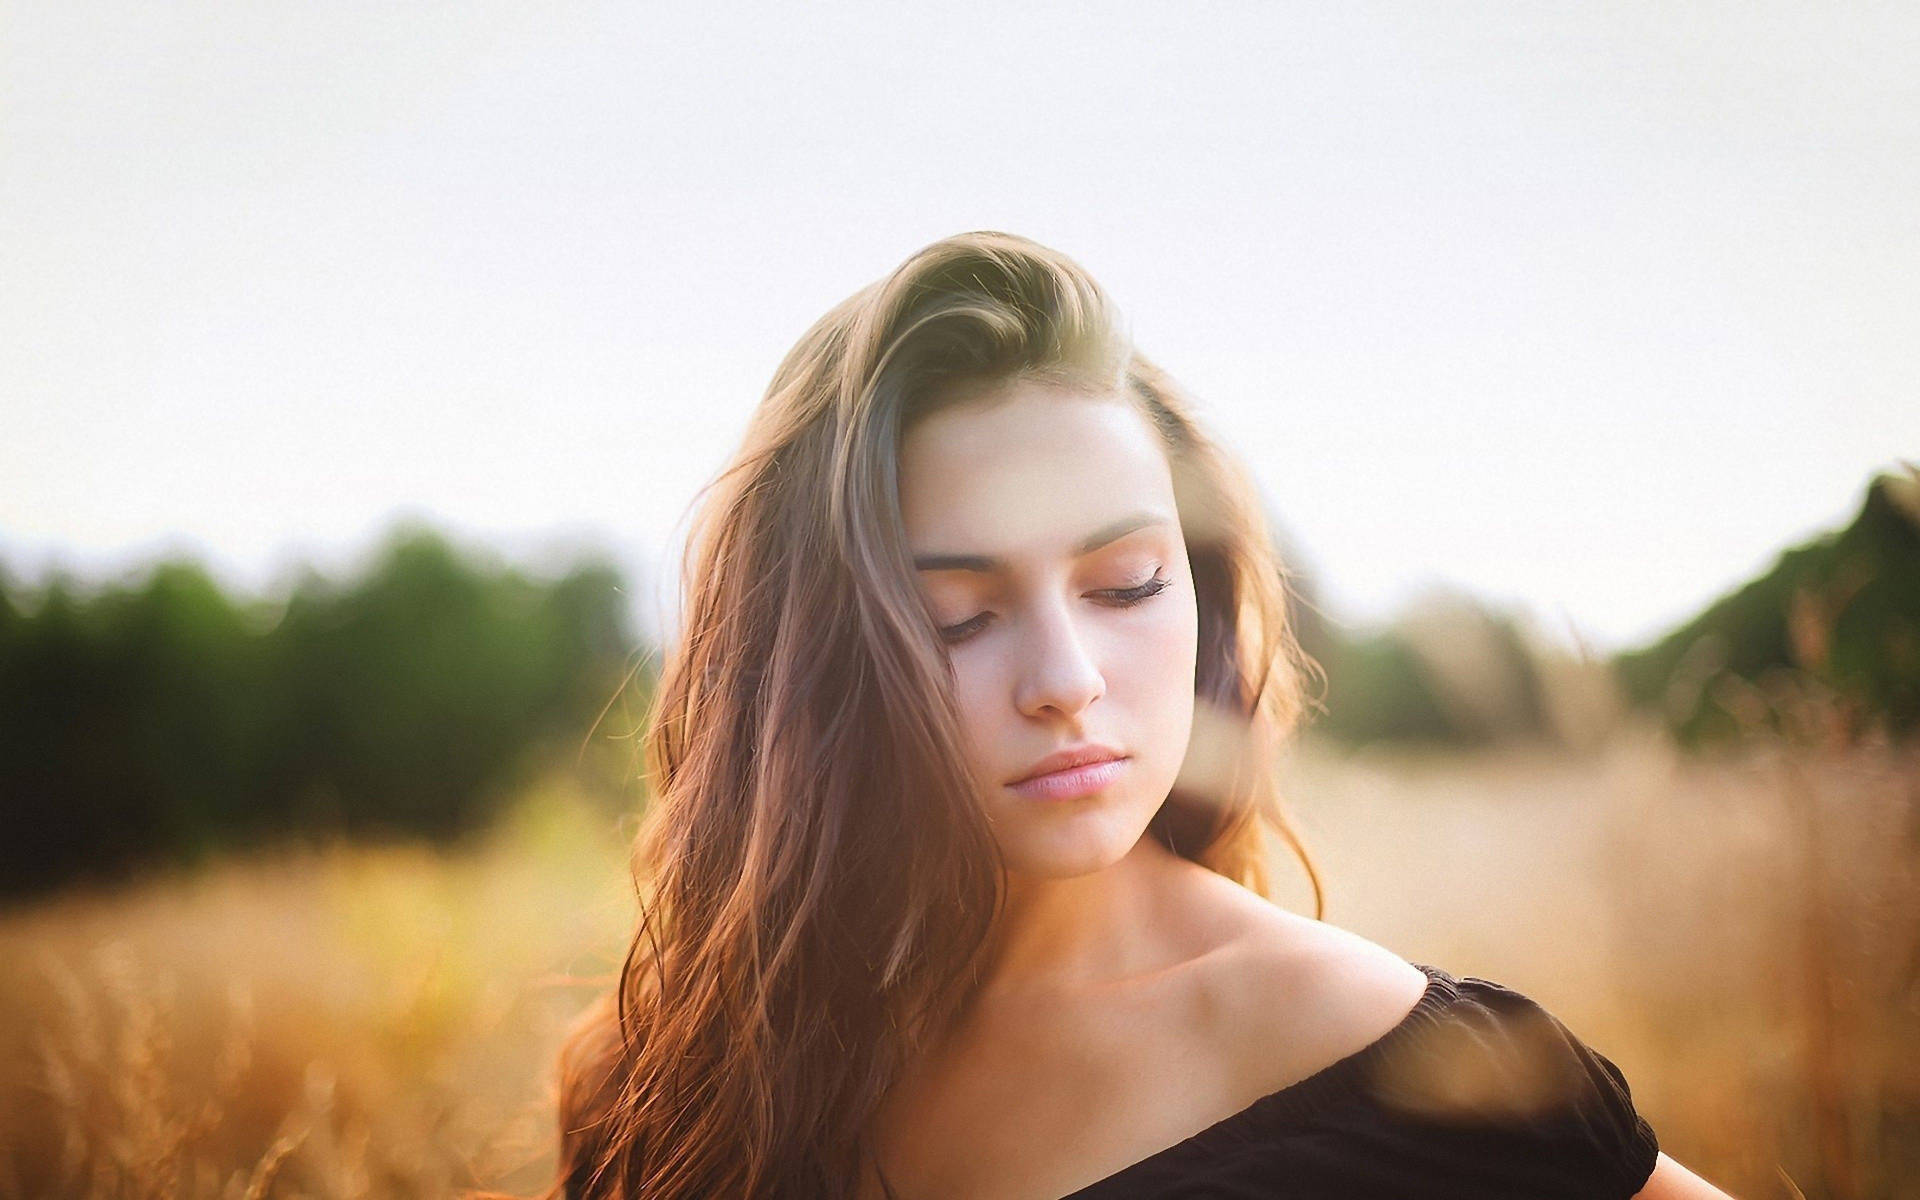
[1588,309]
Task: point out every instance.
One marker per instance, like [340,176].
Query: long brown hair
[815,876]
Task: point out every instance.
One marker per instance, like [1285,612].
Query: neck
[1085,929]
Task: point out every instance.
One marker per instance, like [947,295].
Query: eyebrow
[1110,532]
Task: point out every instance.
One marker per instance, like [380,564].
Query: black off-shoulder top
[1477,1092]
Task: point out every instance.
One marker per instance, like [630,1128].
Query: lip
[1075,771]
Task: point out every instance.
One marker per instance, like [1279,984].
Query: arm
[1671,1181]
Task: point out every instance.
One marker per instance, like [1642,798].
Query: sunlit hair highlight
[816,876]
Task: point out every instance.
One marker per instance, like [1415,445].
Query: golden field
[1741,935]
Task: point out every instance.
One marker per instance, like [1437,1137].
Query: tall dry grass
[1741,934]
[344,1021]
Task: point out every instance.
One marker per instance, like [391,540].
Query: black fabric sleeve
[1501,1060]
[1479,1093]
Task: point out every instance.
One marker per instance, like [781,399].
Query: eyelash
[1123,598]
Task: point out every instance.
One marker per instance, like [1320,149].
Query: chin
[1069,844]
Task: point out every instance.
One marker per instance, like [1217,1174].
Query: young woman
[953,880]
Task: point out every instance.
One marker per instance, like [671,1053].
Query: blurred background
[362,361]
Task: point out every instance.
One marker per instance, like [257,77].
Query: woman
[953,883]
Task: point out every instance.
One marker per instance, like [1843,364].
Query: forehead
[1029,468]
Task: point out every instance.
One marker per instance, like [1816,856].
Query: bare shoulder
[1292,994]
[1671,1181]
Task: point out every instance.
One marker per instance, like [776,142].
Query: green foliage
[163,720]
[1378,690]
[1450,672]
[1841,611]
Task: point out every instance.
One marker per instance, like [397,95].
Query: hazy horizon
[1586,312]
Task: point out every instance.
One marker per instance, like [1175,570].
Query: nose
[1057,672]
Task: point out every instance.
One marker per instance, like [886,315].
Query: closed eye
[1118,597]
[1128,597]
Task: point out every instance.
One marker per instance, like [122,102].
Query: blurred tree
[163,720]
[1450,672]
[1842,610]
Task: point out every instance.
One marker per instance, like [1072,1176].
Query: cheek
[1159,649]
[1158,667]
[982,699]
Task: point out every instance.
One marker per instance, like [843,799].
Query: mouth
[1068,783]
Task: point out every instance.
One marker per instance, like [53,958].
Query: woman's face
[1042,522]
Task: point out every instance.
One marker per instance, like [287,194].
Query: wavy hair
[815,876]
